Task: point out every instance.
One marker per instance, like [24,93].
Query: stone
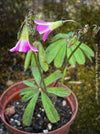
[42,110]
[11,119]
[70,112]
[1,130]
[38,115]
[18,122]
[63,103]
[17,103]
[12,122]
[45,131]
[10,110]
[16,116]
[9,83]
[49,126]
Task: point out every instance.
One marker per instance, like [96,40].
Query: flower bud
[85,30]
[95,30]
[73,41]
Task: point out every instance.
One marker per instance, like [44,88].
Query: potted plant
[40,93]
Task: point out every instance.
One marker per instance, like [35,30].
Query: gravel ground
[3,129]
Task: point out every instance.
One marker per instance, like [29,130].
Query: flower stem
[69,21]
[39,68]
[64,72]
[72,21]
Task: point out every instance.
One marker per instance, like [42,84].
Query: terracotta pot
[12,93]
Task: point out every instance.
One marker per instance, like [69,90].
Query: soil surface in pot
[40,122]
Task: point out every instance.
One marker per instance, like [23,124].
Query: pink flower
[23,45]
[47,27]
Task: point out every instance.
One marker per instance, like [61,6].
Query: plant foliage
[60,45]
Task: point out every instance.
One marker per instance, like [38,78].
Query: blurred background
[84,80]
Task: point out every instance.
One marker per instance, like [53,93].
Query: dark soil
[40,122]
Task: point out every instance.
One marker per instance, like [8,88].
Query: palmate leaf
[42,58]
[27,60]
[53,77]
[35,71]
[78,55]
[26,90]
[29,110]
[53,49]
[58,53]
[87,49]
[72,60]
[58,61]
[29,95]
[59,91]
[88,56]
[29,83]
[49,108]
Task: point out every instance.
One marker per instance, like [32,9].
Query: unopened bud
[73,41]
[85,28]
[95,30]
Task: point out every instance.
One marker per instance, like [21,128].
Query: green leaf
[53,49]
[36,74]
[58,61]
[29,83]
[27,60]
[88,49]
[80,58]
[28,96]
[72,60]
[62,36]
[53,77]
[49,108]
[35,71]
[88,56]
[42,58]
[77,55]
[59,91]
[70,34]
[27,117]
[33,62]
[26,90]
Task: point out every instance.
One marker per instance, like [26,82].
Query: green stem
[38,65]
[72,21]
[64,72]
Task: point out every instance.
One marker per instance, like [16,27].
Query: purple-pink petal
[42,28]
[40,22]
[33,49]
[23,46]
[16,48]
[46,35]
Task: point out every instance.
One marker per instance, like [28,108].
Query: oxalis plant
[65,49]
